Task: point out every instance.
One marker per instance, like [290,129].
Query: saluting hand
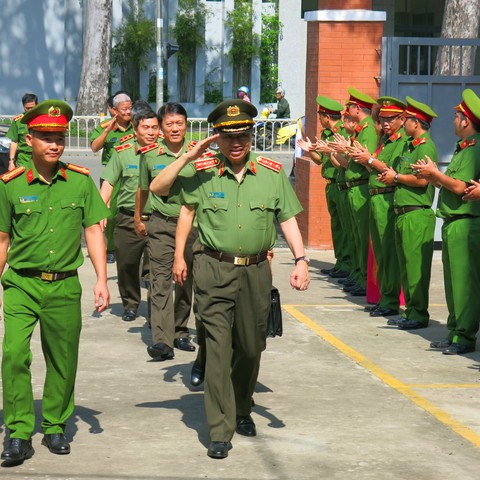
[111,123]
[472,193]
[200,147]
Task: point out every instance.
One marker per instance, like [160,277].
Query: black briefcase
[274,323]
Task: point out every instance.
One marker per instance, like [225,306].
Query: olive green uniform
[414,229]
[115,137]
[123,170]
[336,203]
[17,133]
[460,246]
[44,223]
[283,108]
[169,317]
[235,218]
[382,224]
[356,177]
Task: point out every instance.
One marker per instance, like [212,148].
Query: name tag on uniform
[132,167]
[159,167]
[216,195]
[30,199]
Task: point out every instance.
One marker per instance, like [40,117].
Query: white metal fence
[276,135]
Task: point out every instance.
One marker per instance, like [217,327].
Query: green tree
[188,32]
[135,40]
[271,27]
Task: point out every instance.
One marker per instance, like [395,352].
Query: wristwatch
[370,160]
[304,258]
[395,178]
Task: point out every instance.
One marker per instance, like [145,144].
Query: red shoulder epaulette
[270,164]
[419,141]
[126,137]
[6,177]
[78,169]
[148,148]
[125,146]
[191,145]
[203,164]
[467,143]
[18,117]
[395,136]
[358,128]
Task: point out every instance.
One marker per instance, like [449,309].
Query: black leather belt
[47,276]
[380,191]
[402,210]
[458,217]
[164,217]
[342,186]
[243,260]
[330,180]
[130,213]
[356,183]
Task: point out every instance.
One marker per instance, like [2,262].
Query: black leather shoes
[17,451]
[371,308]
[348,287]
[129,315]
[457,349]
[56,443]
[246,426]
[183,343]
[197,375]
[327,271]
[441,344]
[219,449]
[160,351]
[346,281]
[383,312]
[358,292]
[393,322]
[410,324]
[339,274]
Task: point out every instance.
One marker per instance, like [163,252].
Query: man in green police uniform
[123,169]
[108,135]
[382,216]
[235,198]
[461,228]
[415,219]
[20,152]
[330,114]
[43,209]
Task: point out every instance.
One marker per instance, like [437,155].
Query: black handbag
[274,323]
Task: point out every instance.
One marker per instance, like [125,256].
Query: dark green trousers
[338,233]
[382,233]
[56,306]
[233,304]
[414,233]
[461,271]
[110,230]
[345,215]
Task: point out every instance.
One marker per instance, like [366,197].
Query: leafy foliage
[271,27]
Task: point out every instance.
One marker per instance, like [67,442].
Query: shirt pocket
[263,213]
[215,212]
[72,209]
[28,217]
[130,171]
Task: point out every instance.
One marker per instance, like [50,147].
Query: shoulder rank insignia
[78,169]
[270,164]
[358,128]
[467,143]
[203,164]
[365,125]
[395,136]
[125,146]
[191,145]
[6,177]
[18,117]
[148,148]
[419,141]
[208,154]
[126,137]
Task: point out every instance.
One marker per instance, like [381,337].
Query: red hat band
[413,112]
[48,123]
[468,113]
[327,111]
[391,110]
[358,102]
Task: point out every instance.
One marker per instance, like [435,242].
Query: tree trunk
[93,92]
[460,20]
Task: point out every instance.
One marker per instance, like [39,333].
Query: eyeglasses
[124,110]
[388,119]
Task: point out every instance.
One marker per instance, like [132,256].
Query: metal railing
[269,135]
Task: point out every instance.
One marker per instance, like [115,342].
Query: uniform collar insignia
[419,141]
[358,128]
[30,176]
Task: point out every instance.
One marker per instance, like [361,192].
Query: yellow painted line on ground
[347,305]
[444,385]
[385,377]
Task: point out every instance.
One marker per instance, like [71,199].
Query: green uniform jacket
[391,149]
[45,221]
[114,137]
[124,168]
[17,133]
[465,166]
[367,136]
[283,108]
[328,169]
[239,217]
[151,164]
[414,150]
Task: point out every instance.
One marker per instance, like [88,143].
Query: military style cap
[470,106]
[419,110]
[328,105]
[233,116]
[49,115]
[360,99]
[390,106]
